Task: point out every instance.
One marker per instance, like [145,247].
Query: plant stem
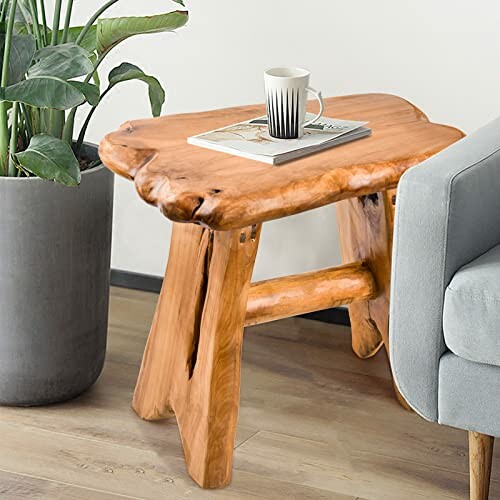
[69,127]
[13,139]
[8,43]
[56,123]
[99,61]
[44,22]
[35,9]
[56,118]
[4,125]
[70,121]
[93,19]
[67,21]
[36,26]
[3,14]
[27,121]
[57,19]
[83,131]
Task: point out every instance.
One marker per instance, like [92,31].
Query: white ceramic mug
[286,96]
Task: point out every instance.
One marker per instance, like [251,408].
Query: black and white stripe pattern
[283,113]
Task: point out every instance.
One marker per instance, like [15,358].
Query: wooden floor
[315,423]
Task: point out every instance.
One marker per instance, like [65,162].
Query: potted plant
[55,237]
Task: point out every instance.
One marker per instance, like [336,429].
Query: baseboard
[136,281]
[334,316]
[148,283]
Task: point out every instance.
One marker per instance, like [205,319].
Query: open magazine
[250,139]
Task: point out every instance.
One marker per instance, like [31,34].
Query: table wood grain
[222,191]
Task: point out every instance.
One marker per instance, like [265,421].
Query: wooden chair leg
[191,366]
[480,456]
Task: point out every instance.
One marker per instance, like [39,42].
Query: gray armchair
[445,305]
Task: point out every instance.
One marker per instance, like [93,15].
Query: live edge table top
[221,191]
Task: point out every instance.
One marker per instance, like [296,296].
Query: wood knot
[127,127]
[371,197]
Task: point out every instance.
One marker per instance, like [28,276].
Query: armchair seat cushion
[471,315]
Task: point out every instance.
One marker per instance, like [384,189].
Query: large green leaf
[62,61]
[111,32]
[45,92]
[21,54]
[22,28]
[126,72]
[51,159]
[91,92]
[69,49]
[89,42]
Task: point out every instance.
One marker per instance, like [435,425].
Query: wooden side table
[191,366]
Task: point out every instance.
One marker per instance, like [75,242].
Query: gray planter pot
[55,247]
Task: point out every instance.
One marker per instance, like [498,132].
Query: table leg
[366,230]
[191,366]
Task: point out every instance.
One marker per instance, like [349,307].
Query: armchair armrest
[448,213]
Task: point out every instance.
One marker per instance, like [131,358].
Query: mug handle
[318,96]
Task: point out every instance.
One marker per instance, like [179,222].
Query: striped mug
[286,99]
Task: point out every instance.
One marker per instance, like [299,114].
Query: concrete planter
[55,247]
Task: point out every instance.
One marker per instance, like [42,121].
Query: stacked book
[251,139]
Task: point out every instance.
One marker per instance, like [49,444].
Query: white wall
[442,55]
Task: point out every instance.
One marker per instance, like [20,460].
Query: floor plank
[104,414]
[315,423]
[337,467]
[20,486]
[127,471]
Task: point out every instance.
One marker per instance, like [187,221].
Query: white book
[250,139]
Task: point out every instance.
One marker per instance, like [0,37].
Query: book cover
[251,139]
